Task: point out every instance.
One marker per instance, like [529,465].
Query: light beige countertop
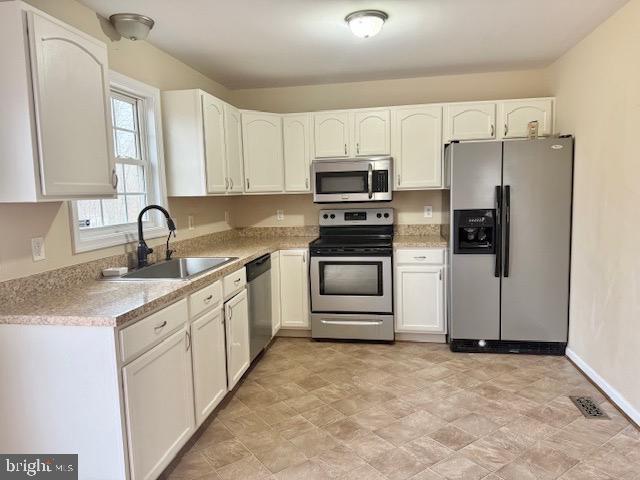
[112,303]
[420,241]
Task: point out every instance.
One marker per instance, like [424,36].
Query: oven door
[351,284]
[351,181]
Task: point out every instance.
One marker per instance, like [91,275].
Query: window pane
[114,211]
[135,203]
[126,144]
[121,177]
[123,114]
[89,214]
[134,179]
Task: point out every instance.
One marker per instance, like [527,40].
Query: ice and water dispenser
[474,231]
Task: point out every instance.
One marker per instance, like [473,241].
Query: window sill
[87,243]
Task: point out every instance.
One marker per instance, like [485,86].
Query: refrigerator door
[476,170]
[537,190]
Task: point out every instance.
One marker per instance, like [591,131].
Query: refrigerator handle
[498,233]
[507,233]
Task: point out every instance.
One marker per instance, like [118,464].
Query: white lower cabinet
[294,288]
[237,323]
[276,319]
[419,291]
[158,391]
[209,362]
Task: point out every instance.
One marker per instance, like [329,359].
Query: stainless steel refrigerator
[510,245]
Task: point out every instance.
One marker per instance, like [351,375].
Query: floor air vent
[588,407]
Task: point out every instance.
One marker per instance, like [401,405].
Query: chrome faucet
[143,249]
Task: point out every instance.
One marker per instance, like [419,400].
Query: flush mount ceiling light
[132,25]
[366,23]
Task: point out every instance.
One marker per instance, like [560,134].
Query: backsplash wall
[299,210]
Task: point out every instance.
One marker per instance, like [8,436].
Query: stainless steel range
[351,275]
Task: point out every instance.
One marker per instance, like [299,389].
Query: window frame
[152,152]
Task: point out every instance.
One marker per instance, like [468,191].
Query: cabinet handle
[114,178]
[304,257]
[237,281]
[345,149]
[230,311]
[248,184]
[208,299]
[398,179]
[492,130]
[306,183]
[420,257]
[440,275]
[226,183]
[358,148]
[506,129]
[188,339]
[160,325]
[231,182]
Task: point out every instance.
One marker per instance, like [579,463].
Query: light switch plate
[428,211]
[37,249]
[280,214]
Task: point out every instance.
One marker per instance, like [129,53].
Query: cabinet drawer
[234,282]
[433,256]
[206,298]
[140,336]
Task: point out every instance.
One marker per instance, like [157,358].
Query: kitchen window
[137,144]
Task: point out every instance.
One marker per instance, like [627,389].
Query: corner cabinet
[297,152]
[233,148]
[419,291]
[294,288]
[417,147]
[56,115]
[263,155]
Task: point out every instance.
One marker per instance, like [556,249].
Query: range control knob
[379,215]
[332,215]
[325,216]
[386,215]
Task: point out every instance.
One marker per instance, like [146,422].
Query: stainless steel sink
[177,268]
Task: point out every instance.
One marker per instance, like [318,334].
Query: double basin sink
[177,268]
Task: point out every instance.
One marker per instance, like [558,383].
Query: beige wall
[597,84]
[447,88]
[299,210]
[141,61]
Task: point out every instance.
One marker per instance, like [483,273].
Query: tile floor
[314,410]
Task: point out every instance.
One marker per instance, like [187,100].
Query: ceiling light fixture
[132,25]
[366,23]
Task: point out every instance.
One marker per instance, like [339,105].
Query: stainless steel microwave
[366,179]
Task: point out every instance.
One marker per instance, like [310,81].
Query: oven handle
[370,180]
[352,322]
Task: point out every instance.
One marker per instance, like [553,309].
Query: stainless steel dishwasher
[259,290]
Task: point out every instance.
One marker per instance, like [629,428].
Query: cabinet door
[294,288]
[209,363]
[295,135]
[233,144]
[470,121]
[417,147]
[275,293]
[263,159]
[158,390]
[331,134]
[73,114]
[214,148]
[372,132]
[237,321]
[419,299]
[516,115]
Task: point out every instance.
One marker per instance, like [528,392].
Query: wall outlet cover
[428,211]
[37,249]
[280,214]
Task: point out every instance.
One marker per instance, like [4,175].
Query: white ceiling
[265,43]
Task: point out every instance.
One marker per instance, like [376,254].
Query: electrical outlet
[280,214]
[190,222]
[37,249]
[428,211]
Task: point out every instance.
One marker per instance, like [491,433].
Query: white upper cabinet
[55,130]
[233,143]
[470,121]
[297,152]
[372,132]
[263,158]
[515,116]
[417,146]
[214,143]
[332,134]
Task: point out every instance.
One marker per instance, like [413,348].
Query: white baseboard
[421,337]
[611,392]
[293,332]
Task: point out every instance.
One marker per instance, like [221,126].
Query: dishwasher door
[259,290]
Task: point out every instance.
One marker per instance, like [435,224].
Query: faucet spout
[143,250]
